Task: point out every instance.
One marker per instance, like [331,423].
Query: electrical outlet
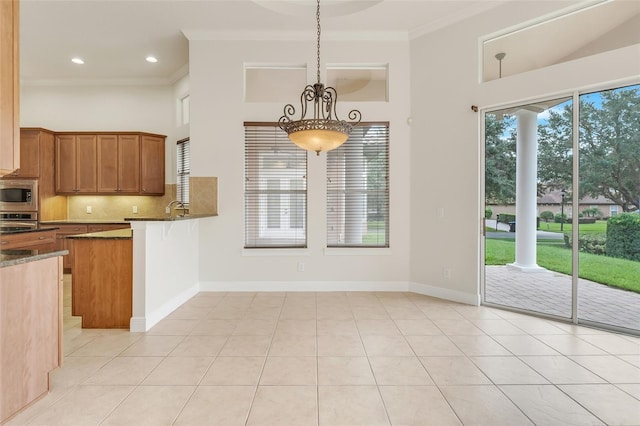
[300,266]
[167,210]
[446,273]
[89,210]
[135,209]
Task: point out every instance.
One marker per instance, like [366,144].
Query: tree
[610,147]
[500,160]
[546,215]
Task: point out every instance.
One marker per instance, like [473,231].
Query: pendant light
[324,131]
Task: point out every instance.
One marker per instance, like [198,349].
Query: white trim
[445,293]
[275,252]
[357,251]
[142,324]
[295,35]
[303,286]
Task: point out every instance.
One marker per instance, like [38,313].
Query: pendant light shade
[324,131]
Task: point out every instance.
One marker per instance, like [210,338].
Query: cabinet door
[129,164]
[86,164]
[29,155]
[65,164]
[107,146]
[9,90]
[152,165]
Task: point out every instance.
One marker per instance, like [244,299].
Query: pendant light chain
[318,45]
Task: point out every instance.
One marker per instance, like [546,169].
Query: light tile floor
[342,359]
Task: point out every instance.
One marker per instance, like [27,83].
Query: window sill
[275,252]
[357,251]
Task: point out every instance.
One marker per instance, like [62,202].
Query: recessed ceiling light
[152,59]
[78,61]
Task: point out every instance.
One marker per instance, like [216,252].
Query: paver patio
[550,293]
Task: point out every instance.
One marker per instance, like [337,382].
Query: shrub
[589,243]
[546,216]
[560,218]
[506,218]
[488,213]
[623,236]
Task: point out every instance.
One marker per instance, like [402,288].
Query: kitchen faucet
[167,209]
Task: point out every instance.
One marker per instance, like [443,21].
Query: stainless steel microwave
[19,195]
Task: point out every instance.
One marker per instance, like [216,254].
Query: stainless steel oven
[18,195]
[18,221]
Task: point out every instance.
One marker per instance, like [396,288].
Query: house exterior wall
[446,144]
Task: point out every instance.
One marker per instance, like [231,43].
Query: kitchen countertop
[118,234]
[83,222]
[16,257]
[6,228]
[169,219]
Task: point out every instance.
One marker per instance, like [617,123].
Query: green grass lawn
[555,256]
[600,227]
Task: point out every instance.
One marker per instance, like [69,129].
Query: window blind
[184,170]
[358,189]
[275,190]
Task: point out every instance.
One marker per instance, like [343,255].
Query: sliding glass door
[528,189]
[562,201]
[608,219]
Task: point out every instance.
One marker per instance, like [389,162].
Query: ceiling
[114,37]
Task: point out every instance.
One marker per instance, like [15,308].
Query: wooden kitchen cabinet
[152,165]
[30,332]
[9,86]
[76,171]
[119,163]
[64,230]
[115,163]
[36,154]
[63,244]
[33,240]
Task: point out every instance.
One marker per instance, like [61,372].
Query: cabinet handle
[42,238]
[4,242]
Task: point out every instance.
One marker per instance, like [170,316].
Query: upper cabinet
[152,165]
[116,163]
[119,163]
[76,171]
[9,87]
[36,154]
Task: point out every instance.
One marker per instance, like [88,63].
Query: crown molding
[214,35]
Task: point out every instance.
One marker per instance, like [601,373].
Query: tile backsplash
[203,200]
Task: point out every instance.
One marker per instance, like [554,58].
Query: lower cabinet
[33,240]
[30,331]
[62,243]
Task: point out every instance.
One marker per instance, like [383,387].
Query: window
[358,189]
[275,191]
[184,169]
[185,110]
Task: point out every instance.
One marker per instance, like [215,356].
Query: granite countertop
[83,222]
[118,234]
[16,257]
[169,219]
[8,229]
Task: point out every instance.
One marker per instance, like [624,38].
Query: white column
[526,191]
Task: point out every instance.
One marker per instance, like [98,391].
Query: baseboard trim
[445,293]
[142,324]
[302,286]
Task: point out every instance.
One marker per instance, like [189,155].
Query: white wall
[103,108]
[217,149]
[446,162]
